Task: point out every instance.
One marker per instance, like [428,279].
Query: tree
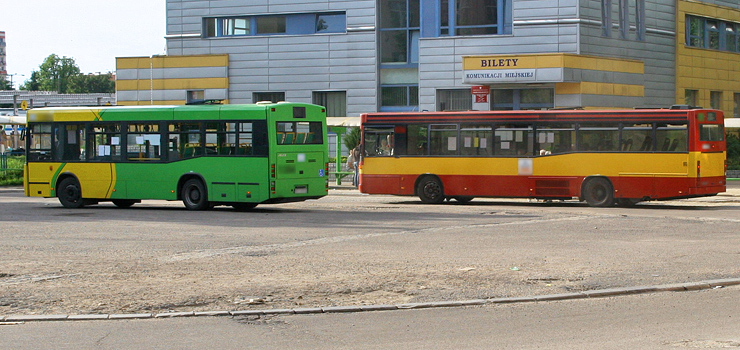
[32,84]
[352,138]
[92,83]
[54,74]
[5,83]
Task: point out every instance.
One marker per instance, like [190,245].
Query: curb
[599,293]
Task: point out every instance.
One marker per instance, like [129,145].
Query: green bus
[204,155]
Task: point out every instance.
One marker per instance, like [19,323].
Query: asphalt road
[351,249]
[687,320]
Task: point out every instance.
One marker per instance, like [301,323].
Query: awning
[343,121]
[732,123]
[12,119]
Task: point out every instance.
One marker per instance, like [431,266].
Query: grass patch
[12,175]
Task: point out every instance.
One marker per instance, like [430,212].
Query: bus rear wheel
[244,206]
[124,203]
[194,195]
[598,192]
[430,190]
[69,193]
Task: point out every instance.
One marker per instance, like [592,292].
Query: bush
[733,152]
[13,175]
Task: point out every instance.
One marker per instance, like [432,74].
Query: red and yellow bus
[603,157]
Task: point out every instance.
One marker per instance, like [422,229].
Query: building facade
[403,55]
[3,64]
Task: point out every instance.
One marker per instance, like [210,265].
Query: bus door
[707,157]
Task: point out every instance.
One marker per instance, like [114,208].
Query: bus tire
[124,203]
[463,199]
[430,190]
[194,195]
[69,193]
[598,192]
[244,206]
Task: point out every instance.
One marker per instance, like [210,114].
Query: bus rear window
[711,132]
[299,133]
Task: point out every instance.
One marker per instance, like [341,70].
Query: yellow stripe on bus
[608,164]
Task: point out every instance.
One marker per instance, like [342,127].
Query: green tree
[92,83]
[5,83]
[733,152]
[55,73]
[32,84]
[352,137]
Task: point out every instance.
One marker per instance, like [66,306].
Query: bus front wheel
[69,193]
[194,195]
[598,192]
[430,190]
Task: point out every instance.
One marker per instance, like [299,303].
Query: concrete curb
[600,293]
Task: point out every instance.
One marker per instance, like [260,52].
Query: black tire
[464,199]
[194,195]
[430,190]
[598,192]
[69,193]
[124,203]
[627,202]
[244,206]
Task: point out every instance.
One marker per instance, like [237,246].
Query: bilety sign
[499,69]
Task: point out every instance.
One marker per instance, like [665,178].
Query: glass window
[378,141]
[236,26]
[393,13]
[185,141]
[624,19]
[296,133]
[454,100]
[691,97]
[713,29]
[399,96]
[736,109]
[416,138]
[209,27]
[476,140]
[394,46]
[470,17]
[711,132]
[731,37]
[695,31]
[270,24]
[74,141]
[143,142]
[443,140]
[715,99]
[105,139]
[556,139]
[334,101]
[331,23]
[40,141]
[640,19]
[273,97]
[598,138]
[514,140]
[672,138]
[637,138]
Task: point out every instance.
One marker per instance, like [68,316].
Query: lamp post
[11,79]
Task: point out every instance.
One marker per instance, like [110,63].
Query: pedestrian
[356,165]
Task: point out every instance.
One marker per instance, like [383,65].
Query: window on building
[519,99]
[712,34]
[606,18]
[299,23]
[472,17]
[270,25]
[691,97]
[399,31]
[715,99]
[640,19]
[454,100]
[624,19]
[331,23]
[736,110]
[268,96]
[194,96]
[334,101]
[399,95]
